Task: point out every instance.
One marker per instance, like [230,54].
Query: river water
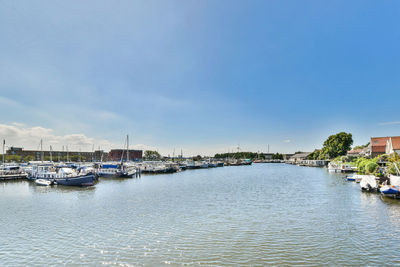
[264,214]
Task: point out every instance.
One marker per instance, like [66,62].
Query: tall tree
[152,155]
[337,144]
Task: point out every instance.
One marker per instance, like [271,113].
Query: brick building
[117,154]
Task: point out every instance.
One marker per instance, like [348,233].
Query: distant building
[117,154]
[267,155]
[354,152]
[100,155]
[287,156]
[299,156]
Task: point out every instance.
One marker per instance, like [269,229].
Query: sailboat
[118,170]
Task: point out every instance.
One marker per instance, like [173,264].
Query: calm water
[265,214]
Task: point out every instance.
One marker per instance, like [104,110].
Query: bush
[371,167]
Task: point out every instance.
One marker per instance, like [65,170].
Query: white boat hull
[42,182]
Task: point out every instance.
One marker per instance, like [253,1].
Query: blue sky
[203,76]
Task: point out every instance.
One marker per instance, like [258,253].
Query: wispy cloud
[389,123]
[287,141]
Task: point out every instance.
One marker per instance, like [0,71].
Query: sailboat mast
[127,148]
[41,149]
[51,154]
[4,144]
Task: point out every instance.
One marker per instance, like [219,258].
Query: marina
[234,217]
[199,133]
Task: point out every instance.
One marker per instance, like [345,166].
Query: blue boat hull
[85,180]
[390,191]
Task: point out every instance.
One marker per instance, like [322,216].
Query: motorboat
[392,190]
[355,178]
[368,183]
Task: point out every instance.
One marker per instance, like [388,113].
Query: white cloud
[287,141]
[20,135]
[390,123]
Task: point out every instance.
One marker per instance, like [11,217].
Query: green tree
[361,147]
[337,145]
[277,156]
[29,158]
[197,158]
[13,158]
[317,154]
[151,155]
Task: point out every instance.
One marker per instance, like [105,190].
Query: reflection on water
[265,214]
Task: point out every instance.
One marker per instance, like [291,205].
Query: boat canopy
[109,166]
[66,170]
[394,180]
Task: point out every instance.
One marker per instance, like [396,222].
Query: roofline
[386,137]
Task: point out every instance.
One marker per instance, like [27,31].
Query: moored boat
[61,175]
[368,183]
[119,170]
[392,190]
[43,182]
[81,180]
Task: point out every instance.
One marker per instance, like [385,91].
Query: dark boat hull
[116,175]
[84,180]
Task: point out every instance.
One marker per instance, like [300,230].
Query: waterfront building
[393,145]
[384,145]
[117,154]
[287,156]
[299,157]
[378,146]
[354,152]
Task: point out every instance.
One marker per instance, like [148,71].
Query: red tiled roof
[354,151]
[396,142]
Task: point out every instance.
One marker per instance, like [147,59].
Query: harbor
[374,167]
[216,216]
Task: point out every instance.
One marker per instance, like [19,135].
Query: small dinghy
[43,182]
[354,178]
